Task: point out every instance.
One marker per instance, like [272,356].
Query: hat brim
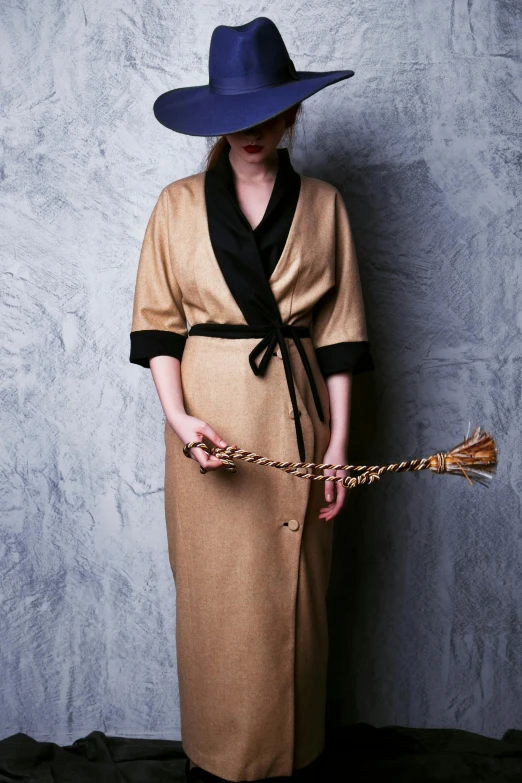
[196,111]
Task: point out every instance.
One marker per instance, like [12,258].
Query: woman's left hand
[335,494]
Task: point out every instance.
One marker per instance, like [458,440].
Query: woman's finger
[329,492]
[199,455]
[208,461]
[340,498]
[212,435]
[211,462]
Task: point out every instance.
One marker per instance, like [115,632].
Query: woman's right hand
[189,428]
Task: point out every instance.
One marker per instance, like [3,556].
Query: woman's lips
[253,148]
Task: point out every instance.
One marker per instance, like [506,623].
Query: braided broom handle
[475,458]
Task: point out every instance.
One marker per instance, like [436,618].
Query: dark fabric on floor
[355,753]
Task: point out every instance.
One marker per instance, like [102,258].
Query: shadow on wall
[393,602]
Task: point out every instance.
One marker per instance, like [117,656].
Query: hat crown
[248,57]
[251,80]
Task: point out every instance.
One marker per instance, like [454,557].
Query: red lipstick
[253,148]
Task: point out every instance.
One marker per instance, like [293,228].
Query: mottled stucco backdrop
[424,143]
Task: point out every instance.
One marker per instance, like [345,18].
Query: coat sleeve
[338,326]
[159,326]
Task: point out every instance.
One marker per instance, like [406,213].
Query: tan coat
[251,629]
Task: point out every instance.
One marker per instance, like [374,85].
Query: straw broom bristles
[475,458]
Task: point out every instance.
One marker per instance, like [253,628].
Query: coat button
[293,524]
[291,413]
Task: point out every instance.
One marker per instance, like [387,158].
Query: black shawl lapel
[235,243]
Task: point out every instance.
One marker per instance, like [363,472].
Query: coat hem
[208,763]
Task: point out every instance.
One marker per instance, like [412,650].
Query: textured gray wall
[424,142]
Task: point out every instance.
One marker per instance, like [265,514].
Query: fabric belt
[271,336]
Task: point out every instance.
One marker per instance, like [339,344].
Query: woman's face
[258,142]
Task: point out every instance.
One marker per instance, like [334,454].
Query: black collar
[247,257]
[285,183]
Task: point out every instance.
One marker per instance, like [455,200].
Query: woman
[260,261]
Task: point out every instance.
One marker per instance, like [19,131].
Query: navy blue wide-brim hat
[251,79]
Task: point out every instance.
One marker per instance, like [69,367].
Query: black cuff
[147,343]
[354,357]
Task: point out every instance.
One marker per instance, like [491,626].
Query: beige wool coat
[249,556]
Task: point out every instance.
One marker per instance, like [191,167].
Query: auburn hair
[291,116]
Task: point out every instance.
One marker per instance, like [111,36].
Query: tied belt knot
[272,335]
